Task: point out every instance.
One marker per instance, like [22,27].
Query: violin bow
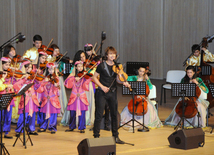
[88,70]
[92,53]
[62,57]
[49,44]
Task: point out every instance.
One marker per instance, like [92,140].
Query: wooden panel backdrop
[159,31]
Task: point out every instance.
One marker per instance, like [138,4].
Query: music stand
[22,92]
[138,88]
[5,100]
[184,90]
[132,67]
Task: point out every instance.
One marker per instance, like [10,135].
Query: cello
[207,79]
[140,104]
[190,106]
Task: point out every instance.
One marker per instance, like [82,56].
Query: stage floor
[153,142]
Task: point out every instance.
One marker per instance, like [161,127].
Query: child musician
[78,102]
[33,53]
[31,102]
[6,86]
[10,51]
[201,104]
[50,102]
[151,117]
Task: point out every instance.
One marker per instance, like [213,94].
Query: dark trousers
[101,99]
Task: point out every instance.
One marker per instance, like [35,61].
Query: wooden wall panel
[158,31]
[96,16]
[185,24]
[5,21]
[36,17]
[141,33]
[211,24]
[70,27]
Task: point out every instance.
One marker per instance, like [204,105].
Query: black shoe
[82,131]
[33,133]
[106,128]
[96,137]
[91,129]
[8,137]
[41,130]
[118,141]
[69,130]
[53,132]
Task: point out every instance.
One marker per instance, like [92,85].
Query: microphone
[103,35]
[21,38]
[210,38]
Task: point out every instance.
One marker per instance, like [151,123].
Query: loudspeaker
[187,139]
[97,146]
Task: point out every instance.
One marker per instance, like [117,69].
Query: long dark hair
[7,50]
[77,56]
[186,78]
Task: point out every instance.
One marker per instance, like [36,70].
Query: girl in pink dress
[50,105]
[78,103]
[31,102]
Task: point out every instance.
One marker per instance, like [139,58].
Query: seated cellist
[151,117]
[201,104]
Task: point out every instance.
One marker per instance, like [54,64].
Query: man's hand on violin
[105,89]
[126,84]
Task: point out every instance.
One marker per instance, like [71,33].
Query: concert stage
[153,142]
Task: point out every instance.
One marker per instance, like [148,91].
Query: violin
[148,71]
[84,74]
[33,75]
[140,104]
[62,58]
[190,110]
[121,75]
[53,78]
[16,73]
[42,66]
[17,58]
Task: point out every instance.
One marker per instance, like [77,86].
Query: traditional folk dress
[195,61]
[31,105]
[50,105]
[174,119]
[151,118]
[7,113]
[78,103]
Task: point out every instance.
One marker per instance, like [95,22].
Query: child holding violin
[78,103]
[200,103]
[107,93]
[59,64]
[6,86]
[50,105]
[10,51]
[151,118]
[81,56]
[31,102]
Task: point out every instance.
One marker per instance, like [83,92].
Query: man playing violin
[32,53]
[106,93]
[195,59]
